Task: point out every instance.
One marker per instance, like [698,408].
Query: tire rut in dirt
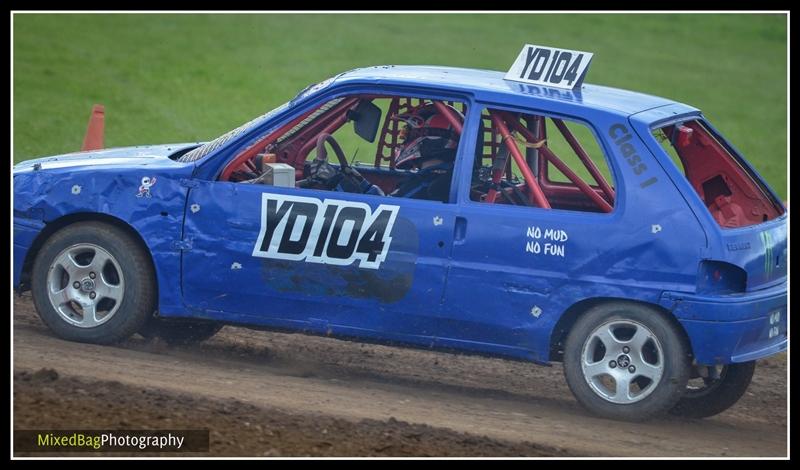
[237,428]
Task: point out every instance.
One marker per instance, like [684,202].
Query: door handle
[460,231]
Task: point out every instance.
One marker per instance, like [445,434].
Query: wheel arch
[55,225]
[562,328]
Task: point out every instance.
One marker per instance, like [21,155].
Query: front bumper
[732,328]
[25,232]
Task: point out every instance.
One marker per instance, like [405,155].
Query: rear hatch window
[733,194]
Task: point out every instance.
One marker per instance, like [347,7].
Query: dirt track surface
[274,394]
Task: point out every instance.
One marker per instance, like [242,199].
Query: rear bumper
[732,328]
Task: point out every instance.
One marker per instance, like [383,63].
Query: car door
[512,267]
[324,260]
[383,267]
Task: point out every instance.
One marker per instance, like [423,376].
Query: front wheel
[626,361]
[713,389]
[92,282]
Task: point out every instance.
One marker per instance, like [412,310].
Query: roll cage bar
[296,139]
[504,123]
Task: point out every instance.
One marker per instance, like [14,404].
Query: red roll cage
[297,138]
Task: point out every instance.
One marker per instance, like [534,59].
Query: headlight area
[719,277]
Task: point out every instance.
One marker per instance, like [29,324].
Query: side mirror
[366,119]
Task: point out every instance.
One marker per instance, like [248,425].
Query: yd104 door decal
[329,231]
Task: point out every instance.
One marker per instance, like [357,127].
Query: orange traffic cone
[95,130]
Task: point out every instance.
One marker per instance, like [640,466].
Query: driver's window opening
[370,144]
[734,196]
[540,161]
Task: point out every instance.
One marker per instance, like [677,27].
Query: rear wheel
[626,361]
[713,389]
[92,282]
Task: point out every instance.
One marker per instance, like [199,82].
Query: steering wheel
[349,180]
[322,153]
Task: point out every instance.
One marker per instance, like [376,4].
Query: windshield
[209,147]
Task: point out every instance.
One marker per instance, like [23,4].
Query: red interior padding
[728,190]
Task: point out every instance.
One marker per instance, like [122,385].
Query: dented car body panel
[107,182]
[492,279]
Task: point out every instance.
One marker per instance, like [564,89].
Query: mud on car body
[616,232]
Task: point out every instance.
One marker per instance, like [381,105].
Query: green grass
[177,78]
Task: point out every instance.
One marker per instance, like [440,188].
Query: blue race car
[616,232]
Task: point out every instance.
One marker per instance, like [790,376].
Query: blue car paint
[744,247]
[26,230]
[744,321]
[107,182]
[459,276]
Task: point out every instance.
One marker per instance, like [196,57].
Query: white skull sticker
[144,188]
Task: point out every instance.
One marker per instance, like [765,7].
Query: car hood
[123,156]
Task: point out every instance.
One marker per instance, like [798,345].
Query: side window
[734,196]
[540,161]
[370,144]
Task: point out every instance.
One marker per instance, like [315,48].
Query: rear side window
[535,160]
[733,194]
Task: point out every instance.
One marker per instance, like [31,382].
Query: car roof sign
[549,66]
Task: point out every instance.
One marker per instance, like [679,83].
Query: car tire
[93,282]
[711,396]
[179,332]
[640,348]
